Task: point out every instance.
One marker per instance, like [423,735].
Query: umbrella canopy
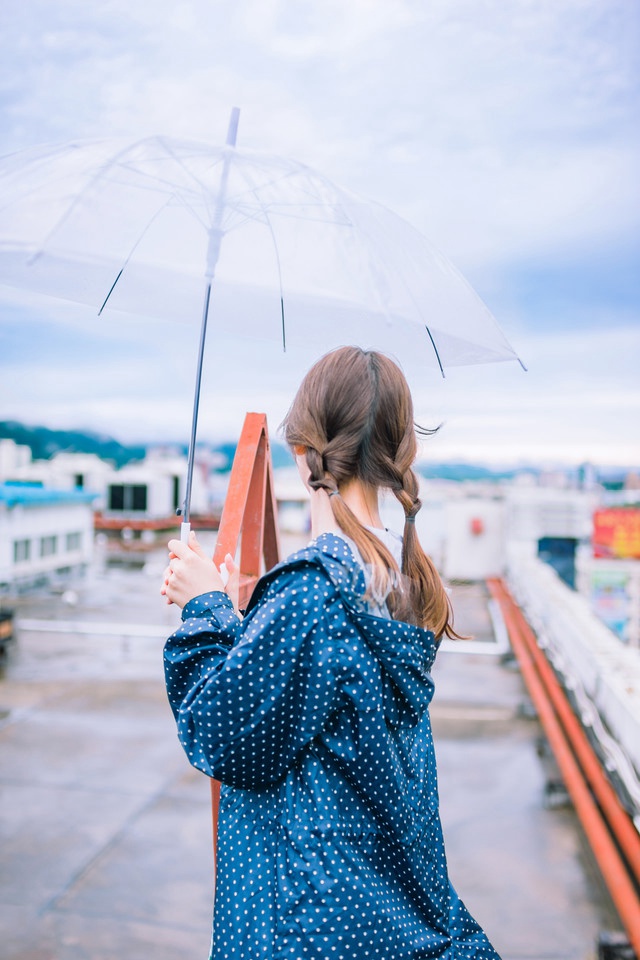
[162,226]
[142,227]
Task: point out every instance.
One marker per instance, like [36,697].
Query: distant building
[14,457]
[64,471]
[45,534]
[294,514]
[150,490]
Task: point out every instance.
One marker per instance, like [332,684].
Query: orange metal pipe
[617,817]
[613,869]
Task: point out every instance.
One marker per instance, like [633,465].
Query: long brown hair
[353,414]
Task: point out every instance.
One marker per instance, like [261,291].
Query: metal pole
[185,526]
[213,252]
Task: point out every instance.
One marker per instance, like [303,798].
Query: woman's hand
[191,572]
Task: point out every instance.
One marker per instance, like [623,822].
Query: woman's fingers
[190,572]
[233,583]
[195,545]
[178,549]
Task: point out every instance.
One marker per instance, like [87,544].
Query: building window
[48,546]
[73,541]
[116,496]
[139,496]
[78,481]
[21,551]
[128,496]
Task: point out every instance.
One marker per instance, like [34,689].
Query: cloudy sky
[507,132]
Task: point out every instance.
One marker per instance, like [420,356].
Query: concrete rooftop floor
[106,835]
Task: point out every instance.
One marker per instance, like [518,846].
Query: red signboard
[616,532]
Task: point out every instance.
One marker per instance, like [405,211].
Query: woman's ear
[302,465]
[299,450]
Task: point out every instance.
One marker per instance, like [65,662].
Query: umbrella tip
[232,131]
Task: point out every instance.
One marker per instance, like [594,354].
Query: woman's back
[330,842]
[313,710]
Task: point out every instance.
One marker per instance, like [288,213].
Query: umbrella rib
[400,275]
[132,251]
[190,173]
[473,339]
[277,253]
[110,162]
[269,225]
[179,161]
[155,183]
[111,289]
[383,266]
[254,190]
[433,344]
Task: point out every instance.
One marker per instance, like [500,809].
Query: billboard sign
[616,533]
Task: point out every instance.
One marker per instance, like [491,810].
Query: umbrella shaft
[196,404]
[215,239]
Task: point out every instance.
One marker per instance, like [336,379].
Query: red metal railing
[249,519]
[608,827]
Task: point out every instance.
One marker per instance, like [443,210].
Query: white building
[465,527]
[64,471]
[13,457]
[294,513]
[156,486]
[152,488]
[45,534]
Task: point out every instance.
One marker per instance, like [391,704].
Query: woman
[313,709]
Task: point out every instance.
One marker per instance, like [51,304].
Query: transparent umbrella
[268,247]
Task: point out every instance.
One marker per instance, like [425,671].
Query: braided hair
[353,414]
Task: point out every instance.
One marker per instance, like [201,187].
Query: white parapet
[597,667]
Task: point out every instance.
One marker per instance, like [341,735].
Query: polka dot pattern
[313,712]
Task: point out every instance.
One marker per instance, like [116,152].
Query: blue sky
[507,132]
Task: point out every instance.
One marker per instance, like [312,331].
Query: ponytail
[431,604]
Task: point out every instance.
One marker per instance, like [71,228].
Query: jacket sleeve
[248,696]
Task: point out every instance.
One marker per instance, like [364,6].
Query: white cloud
[505,132]
[579,400]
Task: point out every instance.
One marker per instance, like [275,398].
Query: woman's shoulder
[327,559]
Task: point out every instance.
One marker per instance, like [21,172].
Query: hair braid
[320,478]
[353,415]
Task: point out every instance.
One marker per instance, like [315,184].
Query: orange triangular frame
[249,518]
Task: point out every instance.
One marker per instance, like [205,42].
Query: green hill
[45,443]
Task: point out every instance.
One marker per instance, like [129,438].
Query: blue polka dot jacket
[314,714]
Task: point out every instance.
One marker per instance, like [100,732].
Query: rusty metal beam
[249,520]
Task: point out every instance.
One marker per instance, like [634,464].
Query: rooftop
[108,829]
[34,495]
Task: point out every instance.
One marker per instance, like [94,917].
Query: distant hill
[280,454]
[45,443]
[462,471]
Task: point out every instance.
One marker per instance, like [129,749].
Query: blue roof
[30,495]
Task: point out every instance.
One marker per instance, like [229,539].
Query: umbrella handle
[185,530]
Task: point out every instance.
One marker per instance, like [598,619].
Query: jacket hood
[406,652]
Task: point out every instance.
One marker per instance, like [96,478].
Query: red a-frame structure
[249,518]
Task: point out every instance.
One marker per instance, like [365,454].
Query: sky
[506,132]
